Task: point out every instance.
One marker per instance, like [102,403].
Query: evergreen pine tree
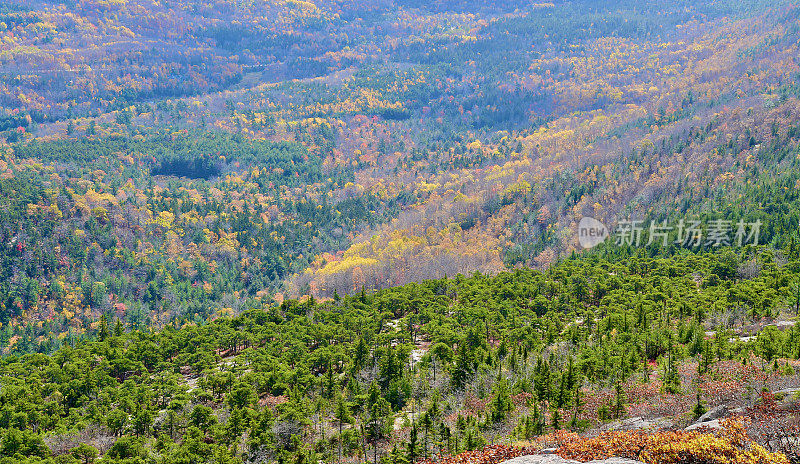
[102,334]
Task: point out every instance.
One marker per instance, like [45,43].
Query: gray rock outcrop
[712,424]
[637,423]
[717,413]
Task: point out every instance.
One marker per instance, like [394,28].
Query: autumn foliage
[492,454]
[730,445]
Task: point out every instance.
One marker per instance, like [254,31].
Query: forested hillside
[339,231]
[439,366]
[355,146]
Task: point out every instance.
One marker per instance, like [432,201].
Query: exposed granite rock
[787,392]
[717,413]
[540,459]
[712,424]
[637,423]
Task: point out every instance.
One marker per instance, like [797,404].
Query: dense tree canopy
[437,366]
